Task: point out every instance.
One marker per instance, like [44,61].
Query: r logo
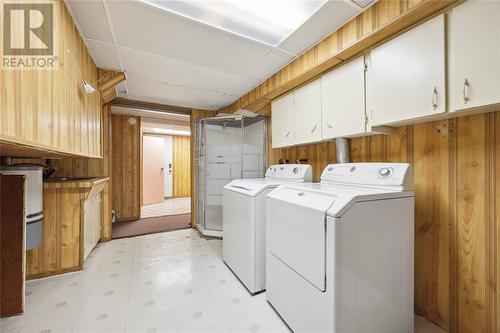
[28,29]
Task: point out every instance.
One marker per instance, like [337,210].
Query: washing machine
[244,221]
[340,252]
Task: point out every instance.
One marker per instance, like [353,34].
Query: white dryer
[244,221]
[340,252]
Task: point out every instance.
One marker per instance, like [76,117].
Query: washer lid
[275,176]
[251,187]
[333,199]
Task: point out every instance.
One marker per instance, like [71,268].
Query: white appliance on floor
[340,252]
[244,221]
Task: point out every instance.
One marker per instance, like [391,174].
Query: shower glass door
[227,148]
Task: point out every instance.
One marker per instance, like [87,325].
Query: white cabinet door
[474,54]
[343,100]
[308,113]
[282,110]
[405,79]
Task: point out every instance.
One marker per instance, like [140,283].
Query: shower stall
[227,148]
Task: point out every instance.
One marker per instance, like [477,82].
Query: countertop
[74,182]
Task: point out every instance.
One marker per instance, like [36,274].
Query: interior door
[153,164]
[168,166]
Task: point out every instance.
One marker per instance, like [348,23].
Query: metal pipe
[342,150]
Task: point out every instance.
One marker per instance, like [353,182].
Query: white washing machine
[244,221]
[340,252]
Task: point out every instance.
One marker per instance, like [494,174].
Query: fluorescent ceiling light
[171,131]
[266,21]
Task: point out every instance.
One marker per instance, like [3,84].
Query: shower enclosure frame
[200,164]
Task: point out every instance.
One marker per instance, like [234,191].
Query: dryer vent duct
[342,150]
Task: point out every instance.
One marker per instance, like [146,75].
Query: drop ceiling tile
[143,27]
[244,86]
[181,96]
[104,54]
[326,20]
[91,18]
[271,64]
[142,64]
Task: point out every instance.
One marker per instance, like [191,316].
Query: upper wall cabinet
[308,113]
[405,78]
[282,121]
[343,100]
[48,110]
[474,54]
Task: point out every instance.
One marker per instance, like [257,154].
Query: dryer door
[296,223]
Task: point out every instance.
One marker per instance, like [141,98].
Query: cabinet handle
[314,128]
[465,91]
[434,99]
[329,126]
[287,134]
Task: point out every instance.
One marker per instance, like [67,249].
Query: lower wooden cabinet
[62,248]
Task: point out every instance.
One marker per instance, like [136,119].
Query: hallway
[174,206]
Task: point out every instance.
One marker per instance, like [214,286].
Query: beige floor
[173,206]
[421,325]
[166,282]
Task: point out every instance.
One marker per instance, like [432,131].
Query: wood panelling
[455,166]
[383,20]
[494,228]
[195,115]
[431,182]
[126,165]
[61,248]
[108,79]
[94,167]
[181,166]
[49,109]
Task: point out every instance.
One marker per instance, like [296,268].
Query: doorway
[166,179]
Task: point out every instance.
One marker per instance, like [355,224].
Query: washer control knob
[296,169]
[384,172]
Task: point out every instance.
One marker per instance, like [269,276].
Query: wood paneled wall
[49,108]
[181,166]
[126,166]
[195,115]
[94,167]
[381,21]
[456,170]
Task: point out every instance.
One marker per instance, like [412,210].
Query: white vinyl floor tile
[172,206]
[167,282]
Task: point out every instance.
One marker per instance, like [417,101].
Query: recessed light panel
[266,21]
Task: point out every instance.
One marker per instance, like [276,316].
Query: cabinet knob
[465,91]
[287,134]
[314,128]
[434,99]
[329,126]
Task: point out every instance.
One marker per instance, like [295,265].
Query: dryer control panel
[370,174]
[302,172]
